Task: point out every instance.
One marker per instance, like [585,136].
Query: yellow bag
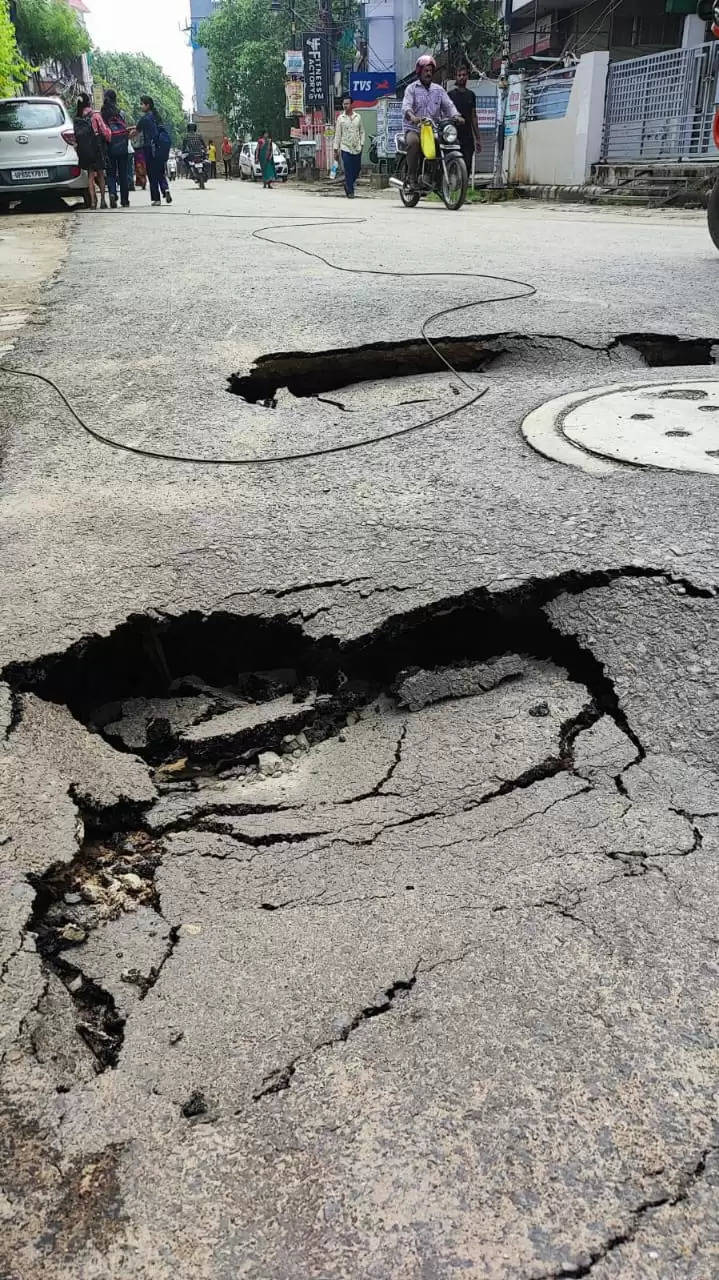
[426,139]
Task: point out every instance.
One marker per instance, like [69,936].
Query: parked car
[37,150]
[249,168]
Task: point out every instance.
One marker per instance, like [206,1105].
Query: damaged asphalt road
[359,825]
[347,988]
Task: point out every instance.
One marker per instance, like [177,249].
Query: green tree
[50,30]
[14,70]
[132,75]
[245,42]
[470,27]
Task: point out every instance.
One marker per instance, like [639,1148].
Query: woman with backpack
[156,147]
[91,137]
[116,150]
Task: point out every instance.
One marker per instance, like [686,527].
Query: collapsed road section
[360,911]
[306,373]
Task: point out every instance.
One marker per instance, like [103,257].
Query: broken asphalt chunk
[147,722]
[420,688]
[249,727]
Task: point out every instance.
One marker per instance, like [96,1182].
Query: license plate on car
[28,175]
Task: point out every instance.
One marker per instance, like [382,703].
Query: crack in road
[281,1078]
[310,373]
[637,1218]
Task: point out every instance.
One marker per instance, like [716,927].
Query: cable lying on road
[261,233]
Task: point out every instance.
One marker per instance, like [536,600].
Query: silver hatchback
[37,149]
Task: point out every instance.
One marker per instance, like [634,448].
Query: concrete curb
[600,195]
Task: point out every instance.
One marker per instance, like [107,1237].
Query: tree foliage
[245,42]
[132,75]
[14,70]
[49,30]
[470,27]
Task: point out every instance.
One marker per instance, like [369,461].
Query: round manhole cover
[672,425]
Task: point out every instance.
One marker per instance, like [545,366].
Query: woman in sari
[265,156]
[140,167]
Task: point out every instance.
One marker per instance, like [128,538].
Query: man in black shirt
[466,103]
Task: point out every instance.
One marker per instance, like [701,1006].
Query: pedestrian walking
[265,157]
[349,141]
[212,157]
[156,147]
[163,147]
[91,138]
[227,157]
[466,103]
[117,150]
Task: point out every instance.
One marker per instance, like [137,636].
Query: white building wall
[561,152]
[694,31]
[387,35]
[406,11]
[200,9]
[380,15]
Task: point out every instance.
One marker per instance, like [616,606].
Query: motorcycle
[198,170]
[443,172]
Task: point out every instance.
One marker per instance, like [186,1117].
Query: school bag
[163,143]
[86,142]
[120,134]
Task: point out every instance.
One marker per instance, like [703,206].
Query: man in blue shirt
[424,100]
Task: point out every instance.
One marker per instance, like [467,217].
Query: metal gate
[661,107]
[546,96]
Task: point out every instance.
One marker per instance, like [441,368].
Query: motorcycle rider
[194,147]
[424,100]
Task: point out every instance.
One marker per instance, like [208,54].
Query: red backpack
[117,125]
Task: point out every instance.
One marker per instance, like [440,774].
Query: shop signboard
[317,68]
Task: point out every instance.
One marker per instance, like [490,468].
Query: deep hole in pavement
[662,350]
[113,872]
[251,662]
[306,373]
[310,373]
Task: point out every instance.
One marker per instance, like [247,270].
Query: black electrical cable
[528,291]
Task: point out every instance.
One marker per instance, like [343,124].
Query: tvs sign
[367,86]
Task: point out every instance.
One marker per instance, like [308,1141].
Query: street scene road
[359,832]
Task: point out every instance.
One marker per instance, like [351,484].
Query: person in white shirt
[349,141]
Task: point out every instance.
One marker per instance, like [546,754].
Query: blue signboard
[368,86]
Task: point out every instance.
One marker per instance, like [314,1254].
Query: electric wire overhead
[261,233]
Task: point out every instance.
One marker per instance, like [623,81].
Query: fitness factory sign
[315,47]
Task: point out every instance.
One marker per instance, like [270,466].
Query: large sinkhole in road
[308,373]
[260,735]
[221,687]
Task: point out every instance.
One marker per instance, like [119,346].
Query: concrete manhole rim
[546,428]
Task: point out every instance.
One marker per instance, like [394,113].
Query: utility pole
[326,21]
[503,85]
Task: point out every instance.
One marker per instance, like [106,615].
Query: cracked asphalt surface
[359,833]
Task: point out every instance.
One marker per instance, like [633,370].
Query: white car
[249,168]
[37,150]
